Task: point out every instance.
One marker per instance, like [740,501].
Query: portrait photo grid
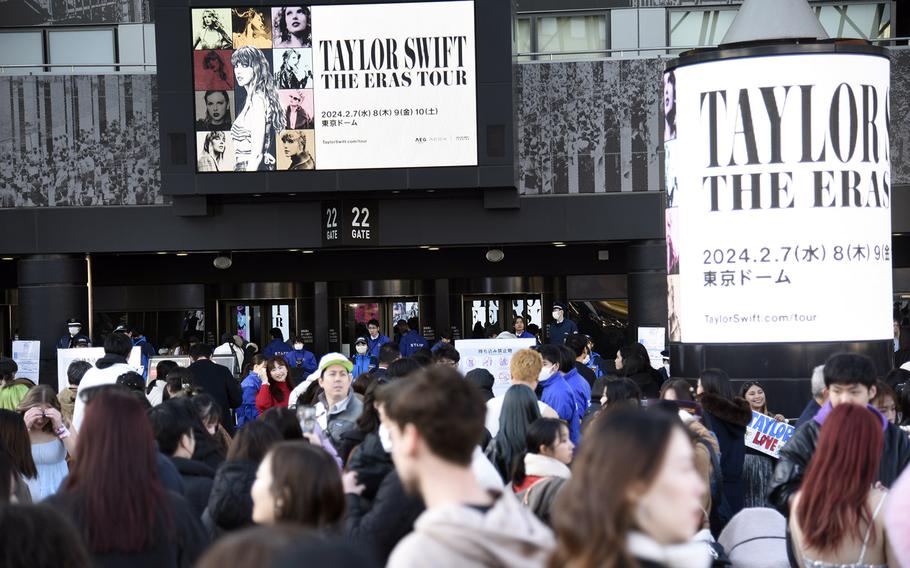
[253,83]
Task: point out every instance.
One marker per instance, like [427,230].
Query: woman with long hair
[252,28]
[292,26]
[758,468]
[213,62]
[212,35]
[114,494]
[540,474]
[287,76]
[255,125]
[519,410]
[727,416]
[652,507]
[212,158]
[15,440]
[276,390]
[51,440]
[298,483]
[834,518]
[631,365]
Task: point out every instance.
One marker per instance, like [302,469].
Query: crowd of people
[74,169]
[391,457]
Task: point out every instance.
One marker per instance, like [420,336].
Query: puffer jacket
[795,456]
[372,464]
[230,504]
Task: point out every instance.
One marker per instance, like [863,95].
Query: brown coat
[703,463]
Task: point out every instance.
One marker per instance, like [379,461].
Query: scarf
[692,554]
[540,465]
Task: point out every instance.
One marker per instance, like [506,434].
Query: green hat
[330,359]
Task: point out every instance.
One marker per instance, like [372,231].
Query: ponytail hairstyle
[542,432]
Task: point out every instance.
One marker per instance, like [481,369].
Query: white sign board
[67,356]
[779,199]
[27,355]
[394,85]
[493,355]
[767,435]
[653,338]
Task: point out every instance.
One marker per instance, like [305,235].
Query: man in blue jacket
[556,392]
[561,326]
[411,340]
[300,361]
[363,362]
[277,346]
[375,340]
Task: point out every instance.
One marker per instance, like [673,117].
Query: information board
[493,355]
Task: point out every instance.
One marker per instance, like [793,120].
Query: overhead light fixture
[223,261]
[8,258]
[495,255]
[308,251]
[161,252]
[424,246]
[293,250]
[183,254]
[432,248]
[558,244]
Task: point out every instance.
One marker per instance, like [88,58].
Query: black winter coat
[188,543]
[648,383]
[795,456]
[230,503]
[728,420]
[372,464]
[218,382]
[390,518]
[198,479]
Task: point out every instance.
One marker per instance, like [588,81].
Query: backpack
[721,512]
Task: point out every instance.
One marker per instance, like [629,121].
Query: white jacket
[95,377]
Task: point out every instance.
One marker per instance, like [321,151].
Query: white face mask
[586,360]
[298,346]
[385,438]
[557,314]
[361,349]
[545,373]
[74,329]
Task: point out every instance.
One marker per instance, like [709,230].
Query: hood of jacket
[825,411]
[508,535]
[109,360]
[230,503]
[193,468]
[736,411]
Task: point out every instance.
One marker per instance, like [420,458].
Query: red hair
[845,465]
[115,477]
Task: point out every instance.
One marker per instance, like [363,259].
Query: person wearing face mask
[301,362]
[363,362]
[556,393]
[561,326]
[74,335]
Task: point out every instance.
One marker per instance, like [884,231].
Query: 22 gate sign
[350,223]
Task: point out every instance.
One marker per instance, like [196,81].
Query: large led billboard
[334,87]
[779,199]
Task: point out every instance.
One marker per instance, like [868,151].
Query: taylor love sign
[767,435]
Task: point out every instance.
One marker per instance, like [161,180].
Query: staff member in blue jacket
[301,362]
[277,346]
[363,362]
[520,332]
[411,340]
[376,340]
[561,327]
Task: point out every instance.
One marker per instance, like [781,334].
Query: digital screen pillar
[778,209]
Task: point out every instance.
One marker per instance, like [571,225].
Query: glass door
[486,316]
[357,312]
[253,320]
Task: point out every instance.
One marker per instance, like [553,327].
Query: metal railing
[114,67]
[666,50]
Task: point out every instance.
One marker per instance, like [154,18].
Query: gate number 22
[361,217]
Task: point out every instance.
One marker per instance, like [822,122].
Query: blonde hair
[525,366]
